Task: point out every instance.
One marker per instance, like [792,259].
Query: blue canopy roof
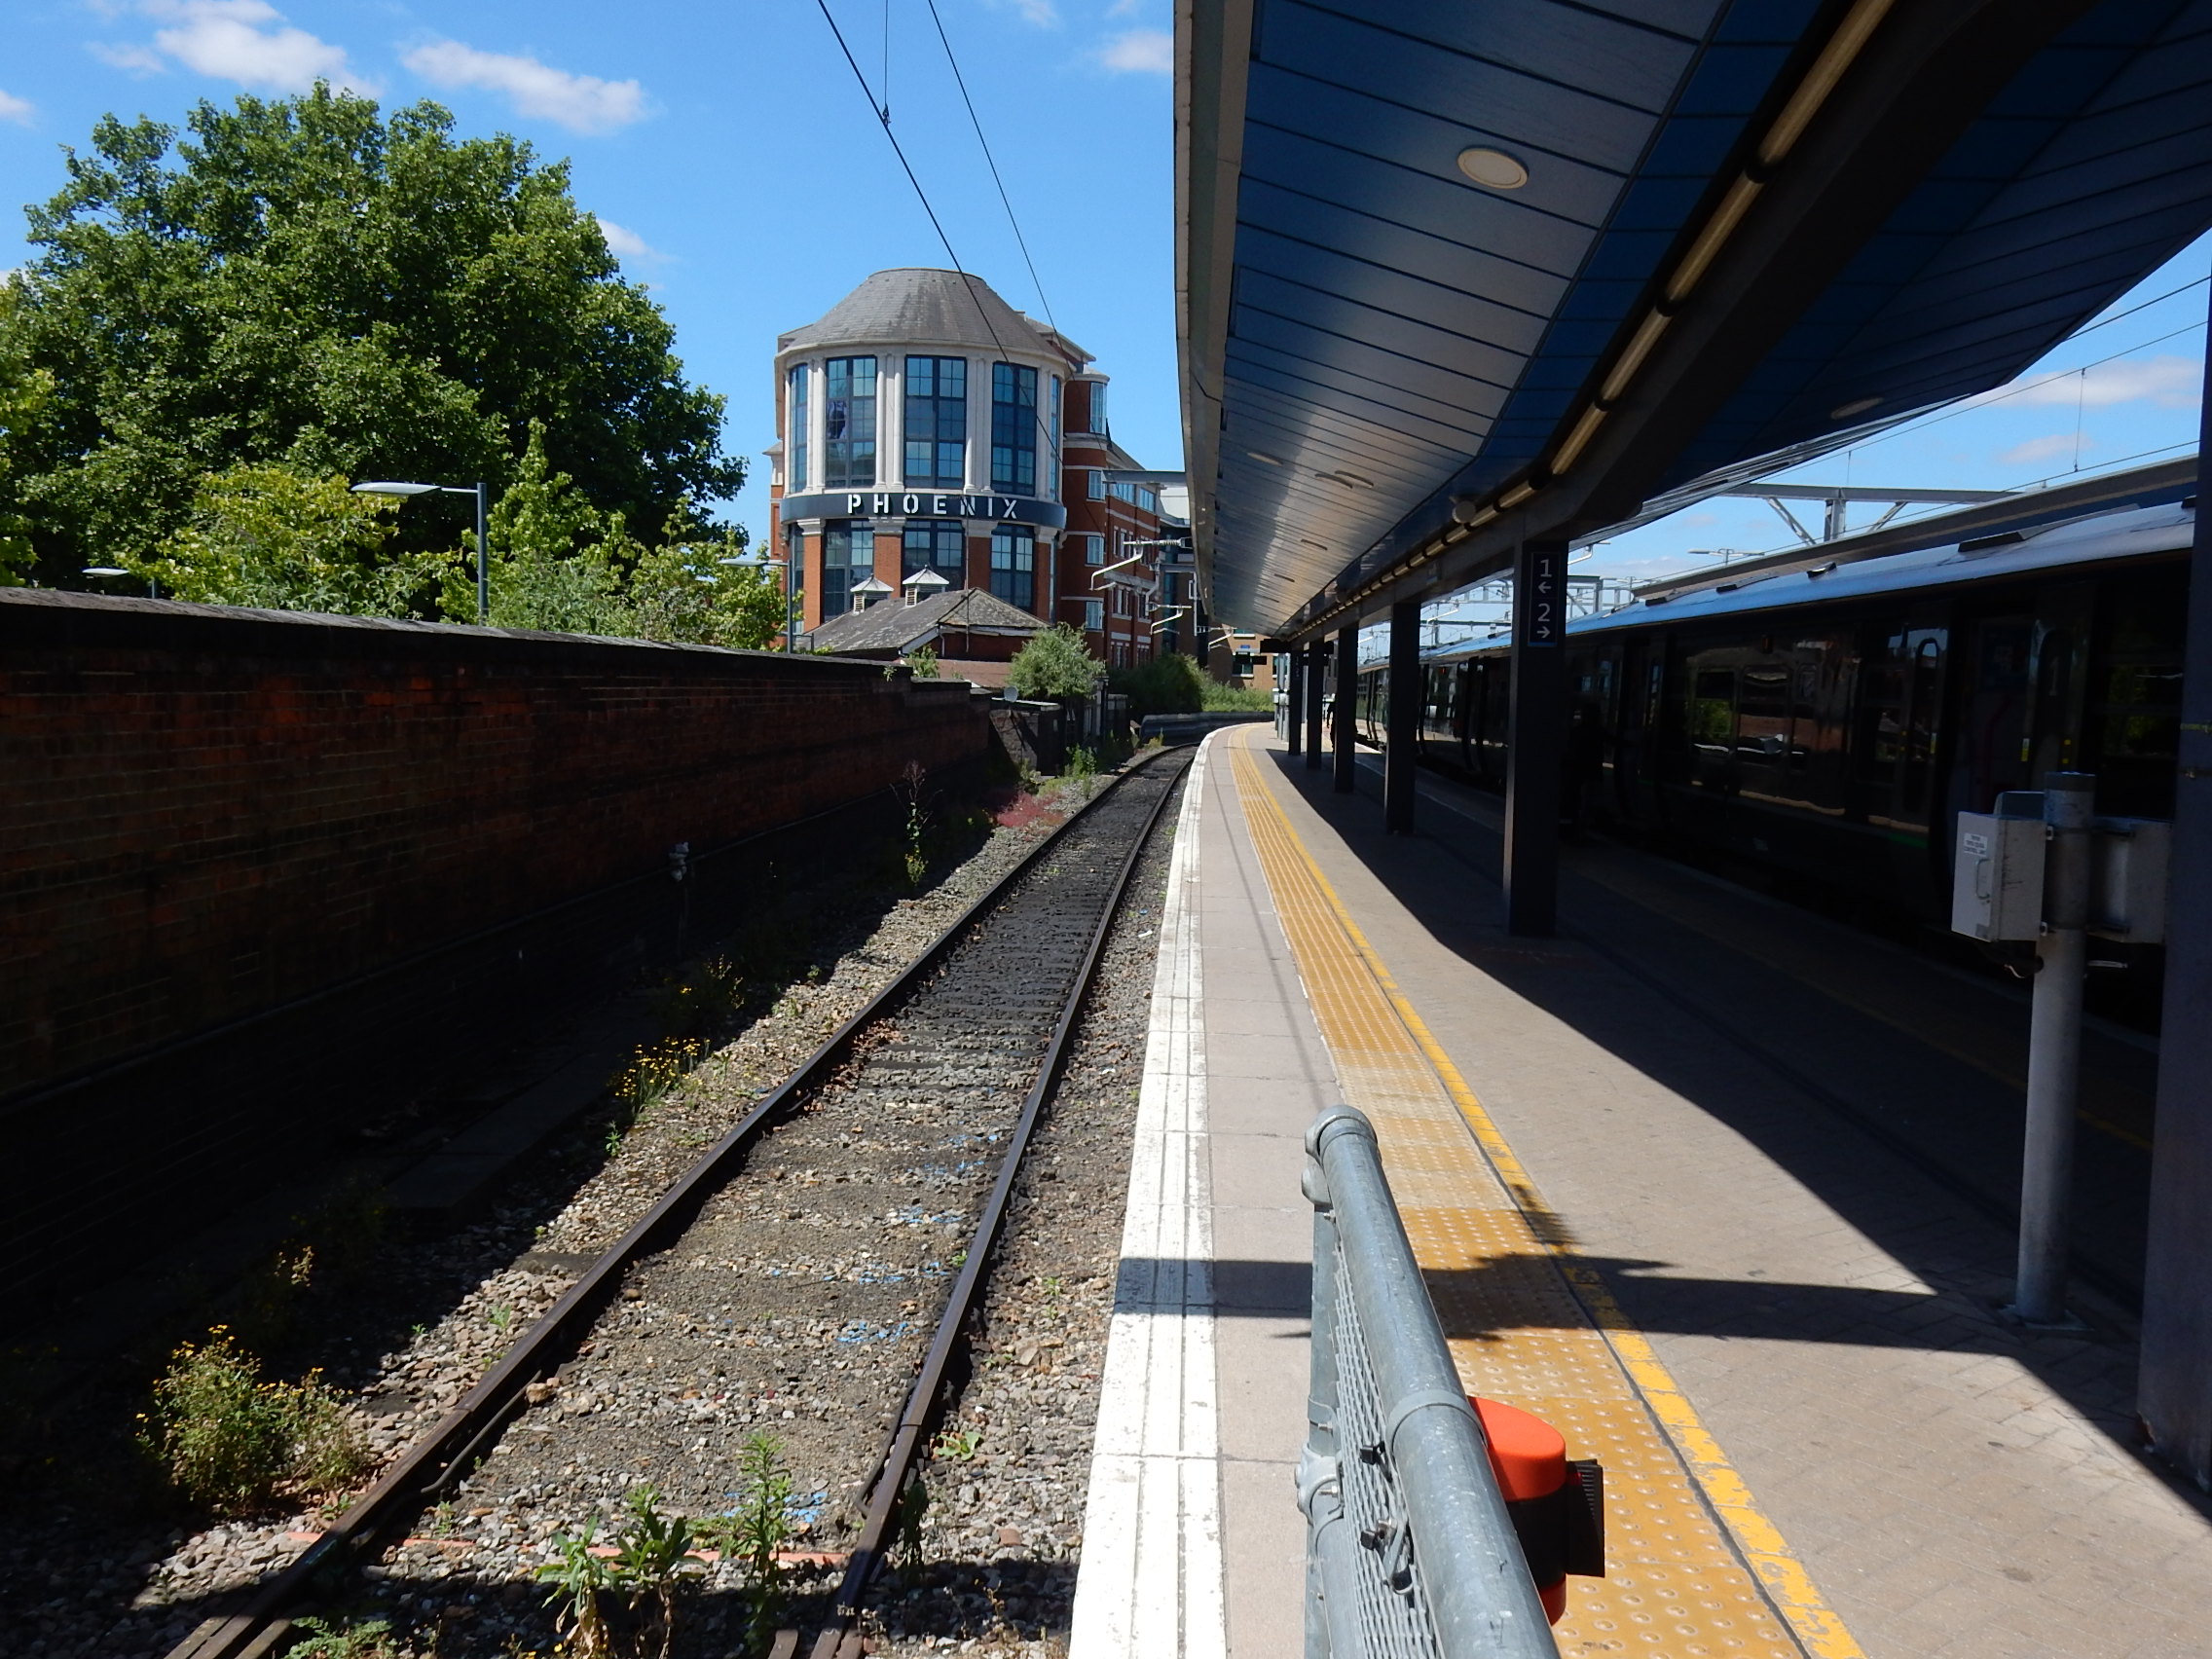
[1878,206]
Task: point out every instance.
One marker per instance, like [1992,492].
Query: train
[1832,722]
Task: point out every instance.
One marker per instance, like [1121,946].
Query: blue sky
[728,146]
[2123,390]
[743,176]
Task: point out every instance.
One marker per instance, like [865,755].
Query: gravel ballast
[93,1559]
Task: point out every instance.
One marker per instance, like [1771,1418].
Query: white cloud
[1044,14]
[582,103]
[2046,447]
[247,41]
[132,59]
[1140,52]
[18,110]
[626,244]
[2170,382]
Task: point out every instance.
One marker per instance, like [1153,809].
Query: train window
[1763,713]
[1899,708]
[2134,711]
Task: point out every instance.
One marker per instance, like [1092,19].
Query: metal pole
[1320,1488]
[1346,711]
[483,563]
[1537,734]
[1401,755]
[1293,701]
[2176,1400]
[1480,1594]
[790,590]
[1316,676]
[2054,1050]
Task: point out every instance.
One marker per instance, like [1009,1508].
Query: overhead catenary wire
[990,160]
[882,113]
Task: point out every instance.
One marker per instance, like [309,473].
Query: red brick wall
[206,812]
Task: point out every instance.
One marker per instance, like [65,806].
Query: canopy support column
[1537,734]
[1294,703]
[1316,678]
[1347,709]
[1403,751]
[2175,1376]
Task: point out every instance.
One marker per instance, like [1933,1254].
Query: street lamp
[391,486]
[153,588]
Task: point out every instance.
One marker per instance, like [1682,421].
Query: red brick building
[923,423]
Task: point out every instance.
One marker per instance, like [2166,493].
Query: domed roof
[924,305]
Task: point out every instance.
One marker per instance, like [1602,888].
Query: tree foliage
[559,565]
[303,283]
[1054,667]
[270,538]
[25,393]
[1171,684]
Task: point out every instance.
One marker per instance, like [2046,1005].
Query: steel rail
[839,1638]
[444,1454]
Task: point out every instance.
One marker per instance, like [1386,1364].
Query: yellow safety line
[1789,1588]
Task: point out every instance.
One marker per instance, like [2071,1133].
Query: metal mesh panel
[1394,1617]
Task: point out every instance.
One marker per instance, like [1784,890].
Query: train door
[1990,751]
[2133,725]
[1642,678]
[1897,789]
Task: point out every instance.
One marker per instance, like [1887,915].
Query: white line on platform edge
[1151,1579]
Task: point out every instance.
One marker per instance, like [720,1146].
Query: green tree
[25,393]
[692,589]
[557,563]
[1171,684]
[304,282]
[1054,667]
[267,537]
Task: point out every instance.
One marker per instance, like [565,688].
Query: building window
[848,426]
[935,544]
[848,556]
[1094,547]
[1096,485]
[1095,615]
[1052,474]
[794,416]
[1098,406]
[1013,565]
[1014,427]
[937,420]
[794,567]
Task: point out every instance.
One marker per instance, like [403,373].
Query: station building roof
[1546,261]
[928,305]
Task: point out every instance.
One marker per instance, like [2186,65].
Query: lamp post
[392,487]
[153,588]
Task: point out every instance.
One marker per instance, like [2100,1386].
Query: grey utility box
[1997,877]
[2127,879]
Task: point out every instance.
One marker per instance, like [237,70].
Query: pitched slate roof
[927,306]
[891,626]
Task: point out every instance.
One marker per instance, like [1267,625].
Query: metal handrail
[1410,1548]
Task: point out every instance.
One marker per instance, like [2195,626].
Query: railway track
[810,1274]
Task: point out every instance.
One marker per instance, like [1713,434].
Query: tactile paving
[1691,1566]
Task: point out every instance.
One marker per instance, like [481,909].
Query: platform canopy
[1454,274]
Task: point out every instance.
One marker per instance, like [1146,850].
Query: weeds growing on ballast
[229,1441]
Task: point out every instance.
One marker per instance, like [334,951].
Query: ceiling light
[1310,542]
[1352,479]
[1264,459]
[1492,169]
[1858,406]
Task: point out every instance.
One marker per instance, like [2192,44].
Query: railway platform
[1715,1185]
